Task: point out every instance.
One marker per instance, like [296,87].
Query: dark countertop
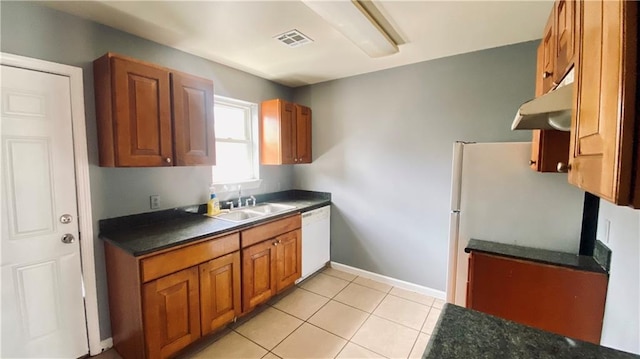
[574,261]
[149,232]
[466,333]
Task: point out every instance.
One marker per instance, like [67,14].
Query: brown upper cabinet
[285,133]
[604,157]
[150,116]
[565,29]
[550,147]
[548,55]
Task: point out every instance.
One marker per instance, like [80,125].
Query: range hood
[551,111]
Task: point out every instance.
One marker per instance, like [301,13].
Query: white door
[42,295]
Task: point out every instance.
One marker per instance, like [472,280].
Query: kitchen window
[236,147]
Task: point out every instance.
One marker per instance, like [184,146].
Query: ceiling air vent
[293,38]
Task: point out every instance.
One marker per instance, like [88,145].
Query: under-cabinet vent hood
[551,111]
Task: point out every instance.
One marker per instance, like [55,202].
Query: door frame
[83,190]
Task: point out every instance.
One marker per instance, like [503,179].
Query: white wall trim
[85,219]
[105,345]
[438,294]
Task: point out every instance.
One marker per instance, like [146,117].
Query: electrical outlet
[154,201]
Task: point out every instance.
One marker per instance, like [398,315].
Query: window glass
[236,147]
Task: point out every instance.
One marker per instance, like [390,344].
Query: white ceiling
[240,33]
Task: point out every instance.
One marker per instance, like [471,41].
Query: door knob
[563,167]
[68,238]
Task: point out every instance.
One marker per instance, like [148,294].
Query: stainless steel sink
[271,208]
[239,215]
[245,214]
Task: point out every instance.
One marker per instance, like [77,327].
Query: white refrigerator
[496,197]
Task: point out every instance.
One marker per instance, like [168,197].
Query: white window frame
[251,126]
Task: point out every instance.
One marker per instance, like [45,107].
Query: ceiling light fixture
[357,24]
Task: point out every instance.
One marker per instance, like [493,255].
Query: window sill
[234,186]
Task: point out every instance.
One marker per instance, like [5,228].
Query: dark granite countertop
[466,333]
[575,261]
[149,232]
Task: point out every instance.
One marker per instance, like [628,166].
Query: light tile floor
[331,315]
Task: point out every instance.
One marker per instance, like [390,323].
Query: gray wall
[382,145]
[621,324]
[35,31]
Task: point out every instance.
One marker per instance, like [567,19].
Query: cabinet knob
[295,160]
[532,162]
[546,74]
[167,160]
[563,167]
[275,243]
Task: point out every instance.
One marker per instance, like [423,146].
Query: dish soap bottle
[213,205]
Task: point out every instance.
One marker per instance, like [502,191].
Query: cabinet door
[566,30]
[220,291]
[287,132]
[602,129]
[142,112]
[193,124]
[548,54]
[171,313]
[303,134]
[548,147]
[561,300]
[289,259]
[258,274]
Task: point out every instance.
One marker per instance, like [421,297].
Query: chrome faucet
[230,203]
[239,197]
[251,199]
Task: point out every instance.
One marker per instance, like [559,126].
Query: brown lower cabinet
[271,265]
[162,302]
[561,300]
[171,313]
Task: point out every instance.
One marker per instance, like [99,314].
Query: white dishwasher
[315,240]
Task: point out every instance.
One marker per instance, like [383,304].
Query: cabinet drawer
[270,230]
[172,261]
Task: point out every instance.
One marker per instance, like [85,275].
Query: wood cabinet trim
[157,266]
[125,305]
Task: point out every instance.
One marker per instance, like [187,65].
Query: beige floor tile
[419,346]
[325,285]
[363,298]
[339,319]
[386,337]
[301,303]
[232,345]
[412,296]
[402,311]
[339,274]
[373,284]
[270,355]
[310,342]
[431,321]
[269,327]
[438,303]
[353,351]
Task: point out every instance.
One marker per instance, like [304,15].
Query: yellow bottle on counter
[213,205]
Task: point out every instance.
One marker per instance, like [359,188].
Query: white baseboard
[106,344]
[438,294]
